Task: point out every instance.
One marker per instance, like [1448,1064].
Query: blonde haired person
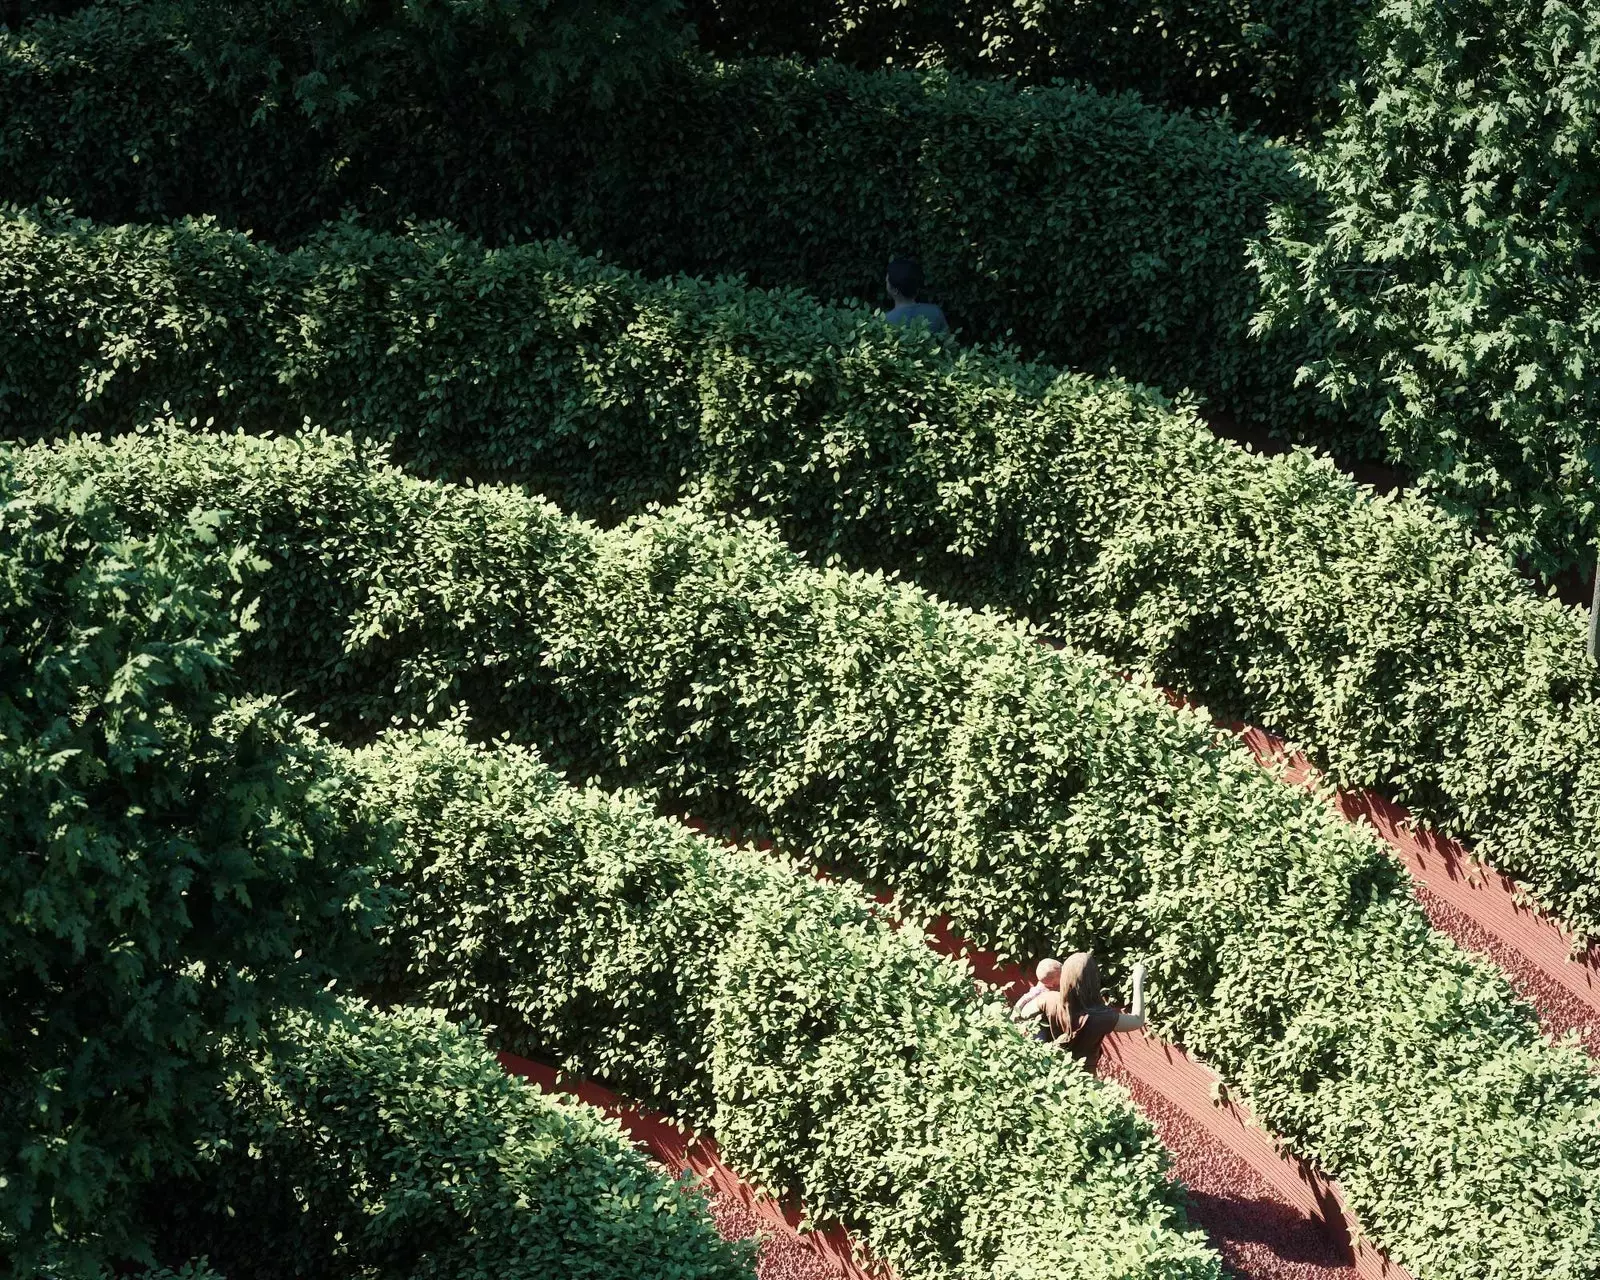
[1077,1014]
[1028,1013]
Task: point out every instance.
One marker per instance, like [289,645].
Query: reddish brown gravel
[1257,1234]
[781,1257]
[1559,1010]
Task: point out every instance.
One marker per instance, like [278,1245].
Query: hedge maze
[446,446]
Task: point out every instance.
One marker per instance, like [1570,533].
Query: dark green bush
[1033,796]
[14,13]
[1452,262]
[1095,229]
[834,1056]
[395,1145]
[176,863]
[1273,63]
[277,113]
[1410,658]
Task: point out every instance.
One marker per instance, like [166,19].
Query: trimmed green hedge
[1409,657]
[1032,795]
[1274,63]
[1098,230]
[836,1057]
[1450,261]
[178,863]
[396,1145]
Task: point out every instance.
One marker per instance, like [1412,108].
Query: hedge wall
[1274,63]
[178,862]
[1410,658]
[835,1056]
[395,1144]
[1034,796]
[1097,230]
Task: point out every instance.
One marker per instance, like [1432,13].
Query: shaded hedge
[835,1056]
[1095,229]
[1277,64]
[394,1144]
[1033,796]
[1411,658]
[178,863]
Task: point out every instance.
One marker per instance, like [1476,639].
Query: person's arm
[1027,1005]
[1133,1020]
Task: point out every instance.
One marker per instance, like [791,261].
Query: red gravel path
[782,1255]
[1256,1233]
[739,1211]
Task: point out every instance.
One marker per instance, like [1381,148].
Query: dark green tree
[174,863]
[1450,268]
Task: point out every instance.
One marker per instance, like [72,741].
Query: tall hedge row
[1034,796]
[835,1056]
[1411,658]
[394,1144]
[1277,64]
[1451,258]
[178,863]
[1095,229]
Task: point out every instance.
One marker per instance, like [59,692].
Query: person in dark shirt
[904,283]
[1079,1015]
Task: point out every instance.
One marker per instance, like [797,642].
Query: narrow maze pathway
[739,1211]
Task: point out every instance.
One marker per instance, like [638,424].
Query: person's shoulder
[907,312]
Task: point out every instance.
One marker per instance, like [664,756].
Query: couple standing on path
[1065,1008]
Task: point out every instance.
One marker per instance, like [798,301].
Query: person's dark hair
[905,278]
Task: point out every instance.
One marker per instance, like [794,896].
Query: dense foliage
[1409,657]
[396,1145]
[1274,63]
[1096,229]
[1452,263]
[175,863]
[835,1056]
[1034,796]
